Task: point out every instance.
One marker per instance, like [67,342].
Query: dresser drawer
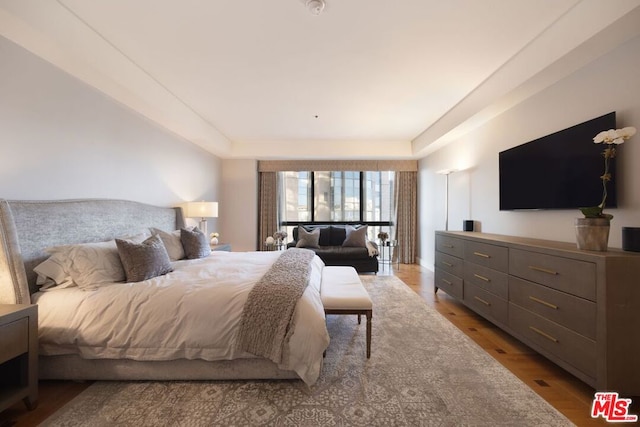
[573,312]
[575,349]
[449,245]
[15,339]
[486,278]
[450,264]
[491,256]
[564,274]
[486,304]
[449,283]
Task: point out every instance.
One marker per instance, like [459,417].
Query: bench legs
[367,313]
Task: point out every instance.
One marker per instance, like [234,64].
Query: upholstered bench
[342,292]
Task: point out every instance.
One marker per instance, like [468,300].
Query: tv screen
[558,171]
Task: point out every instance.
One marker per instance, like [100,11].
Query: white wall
[60,138]
[239,212]
[608,84]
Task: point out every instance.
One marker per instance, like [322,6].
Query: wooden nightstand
[18,355]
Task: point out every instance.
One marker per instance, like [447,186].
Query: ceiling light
[315,6]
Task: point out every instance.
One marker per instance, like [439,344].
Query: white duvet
[191,313]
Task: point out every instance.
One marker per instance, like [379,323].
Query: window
[337,196]
[295,201]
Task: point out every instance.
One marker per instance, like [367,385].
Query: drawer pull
[539,301]
[447,282]
[544,270]
[480,254]
[448,246]
[547,336]
[487,303]
[486,279]
[447,264]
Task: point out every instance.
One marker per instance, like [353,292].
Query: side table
[276,246]
[221,247]
[18,355]
[386,254]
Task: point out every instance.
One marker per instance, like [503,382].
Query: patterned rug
[423,372]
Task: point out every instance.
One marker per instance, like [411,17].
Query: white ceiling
[365,79]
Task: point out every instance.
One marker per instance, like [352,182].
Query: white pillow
[51,269]
[90,264]
[52,274]
[172,243]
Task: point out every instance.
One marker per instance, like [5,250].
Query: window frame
[362,175]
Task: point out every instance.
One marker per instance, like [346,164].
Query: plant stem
[604,181]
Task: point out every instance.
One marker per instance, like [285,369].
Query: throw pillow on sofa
[356,237]
[308,239]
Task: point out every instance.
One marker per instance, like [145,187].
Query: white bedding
[191,313]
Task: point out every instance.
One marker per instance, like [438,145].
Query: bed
[182,325]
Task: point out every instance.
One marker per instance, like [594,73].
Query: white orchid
[610,137]
[615,136]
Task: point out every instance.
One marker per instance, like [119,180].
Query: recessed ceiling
[369,78]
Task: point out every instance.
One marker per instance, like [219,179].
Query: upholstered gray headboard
[28,227]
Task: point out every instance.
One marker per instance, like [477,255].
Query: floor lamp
[446,173]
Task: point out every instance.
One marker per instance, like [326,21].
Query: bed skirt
[72,367]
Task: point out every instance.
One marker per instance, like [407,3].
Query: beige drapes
[267,206]
[406,208]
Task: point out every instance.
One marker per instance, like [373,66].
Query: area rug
[423,372]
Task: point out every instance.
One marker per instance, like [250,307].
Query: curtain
[267,206]
[406,213]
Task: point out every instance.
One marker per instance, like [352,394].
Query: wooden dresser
[18,355]
[580,309]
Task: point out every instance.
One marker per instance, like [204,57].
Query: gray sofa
[331,250]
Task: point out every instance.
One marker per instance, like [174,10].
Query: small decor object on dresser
[631,239]
[592,231]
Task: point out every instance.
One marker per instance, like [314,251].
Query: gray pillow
[195,243]
[142,261]
[356,237]
[308,239]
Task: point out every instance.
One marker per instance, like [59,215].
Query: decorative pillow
[308,239]
[356,237]
[195,243]
[172,243]
[142,261]
[89,264]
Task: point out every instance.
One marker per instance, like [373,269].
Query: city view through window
[352,197]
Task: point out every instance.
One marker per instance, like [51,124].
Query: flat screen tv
[558,171]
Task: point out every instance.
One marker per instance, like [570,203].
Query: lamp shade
[202,210]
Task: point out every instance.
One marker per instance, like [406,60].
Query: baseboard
[424,264]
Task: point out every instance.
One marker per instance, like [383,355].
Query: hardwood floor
[566,393]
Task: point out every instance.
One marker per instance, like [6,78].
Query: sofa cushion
[308,239]
[332,253]
[355,237]
[338,234]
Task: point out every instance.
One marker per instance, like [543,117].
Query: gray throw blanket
[267,318]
